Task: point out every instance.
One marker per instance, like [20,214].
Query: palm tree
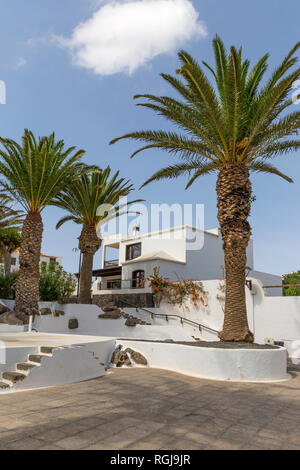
[232,126]
[10,223]
[10,240]
[35,172]
[81,199]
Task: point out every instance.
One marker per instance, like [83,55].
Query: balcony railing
[119,284]
[111,262]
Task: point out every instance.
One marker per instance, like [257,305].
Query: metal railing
[281,286]
[119,284]
[111,262]
[200,326]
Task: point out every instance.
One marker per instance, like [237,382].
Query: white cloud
[122,36]
[20,62]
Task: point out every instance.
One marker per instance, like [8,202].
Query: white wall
[43,259]
[275,317]
[90,324]
[268,279]
[70,364]
[204,262]
[172,242]
[268,317]
[201,263]
[243,365]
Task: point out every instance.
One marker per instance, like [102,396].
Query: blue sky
[87,100]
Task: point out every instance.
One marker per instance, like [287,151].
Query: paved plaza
[153,409]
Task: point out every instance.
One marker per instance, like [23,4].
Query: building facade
[15,264]
[182,252]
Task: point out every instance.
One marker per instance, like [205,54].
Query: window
[13,261]
[133,251]
[52,260]
[137,278]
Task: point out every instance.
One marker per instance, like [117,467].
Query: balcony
[119,284]
[111,262]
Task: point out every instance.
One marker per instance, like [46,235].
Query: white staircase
[22,369]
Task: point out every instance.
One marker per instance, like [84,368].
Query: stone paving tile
[153,409]
[50,447]
[25,444]
[120,440]
[50,436]
[73,443]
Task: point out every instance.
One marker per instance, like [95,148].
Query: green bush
[292,278]
[8,285]
[55,283]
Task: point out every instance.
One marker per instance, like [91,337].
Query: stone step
[109,308]
[13,377]
[37,358]
[26,366]
[46,349]
[3,385]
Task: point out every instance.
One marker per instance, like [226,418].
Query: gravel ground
[208,344]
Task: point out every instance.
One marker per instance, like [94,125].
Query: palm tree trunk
[27,287]
[89,243]
[7,262]
[234,191]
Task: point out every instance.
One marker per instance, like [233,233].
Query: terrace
[185,413]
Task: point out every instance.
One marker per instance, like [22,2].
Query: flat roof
[113,238]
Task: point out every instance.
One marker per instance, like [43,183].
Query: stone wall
[69,300]
[134,299]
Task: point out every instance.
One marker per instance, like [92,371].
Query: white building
[15,264]
[182,252]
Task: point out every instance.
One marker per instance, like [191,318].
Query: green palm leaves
[9,217]
[238,117]
[83,196]
[36,171]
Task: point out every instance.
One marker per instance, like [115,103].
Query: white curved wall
[245,365]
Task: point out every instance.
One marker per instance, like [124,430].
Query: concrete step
[13,377]
[25,366]
[46,349]
[37,358]
[3,385]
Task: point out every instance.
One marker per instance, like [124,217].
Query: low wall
[272,317]
[242,365]
[277,318]
[133,297]
[90,324]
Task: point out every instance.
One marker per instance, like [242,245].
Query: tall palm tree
[232,126]
[82,199]
[34,173]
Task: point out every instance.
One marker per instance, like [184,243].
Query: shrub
[7,285]
[292,278]
[55,283]
[176,292]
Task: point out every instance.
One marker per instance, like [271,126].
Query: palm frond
[36,171]
[82,197]
[241,117]
[263,167]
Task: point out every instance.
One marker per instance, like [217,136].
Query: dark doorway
[137,278]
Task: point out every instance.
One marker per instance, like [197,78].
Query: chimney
[136,230]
